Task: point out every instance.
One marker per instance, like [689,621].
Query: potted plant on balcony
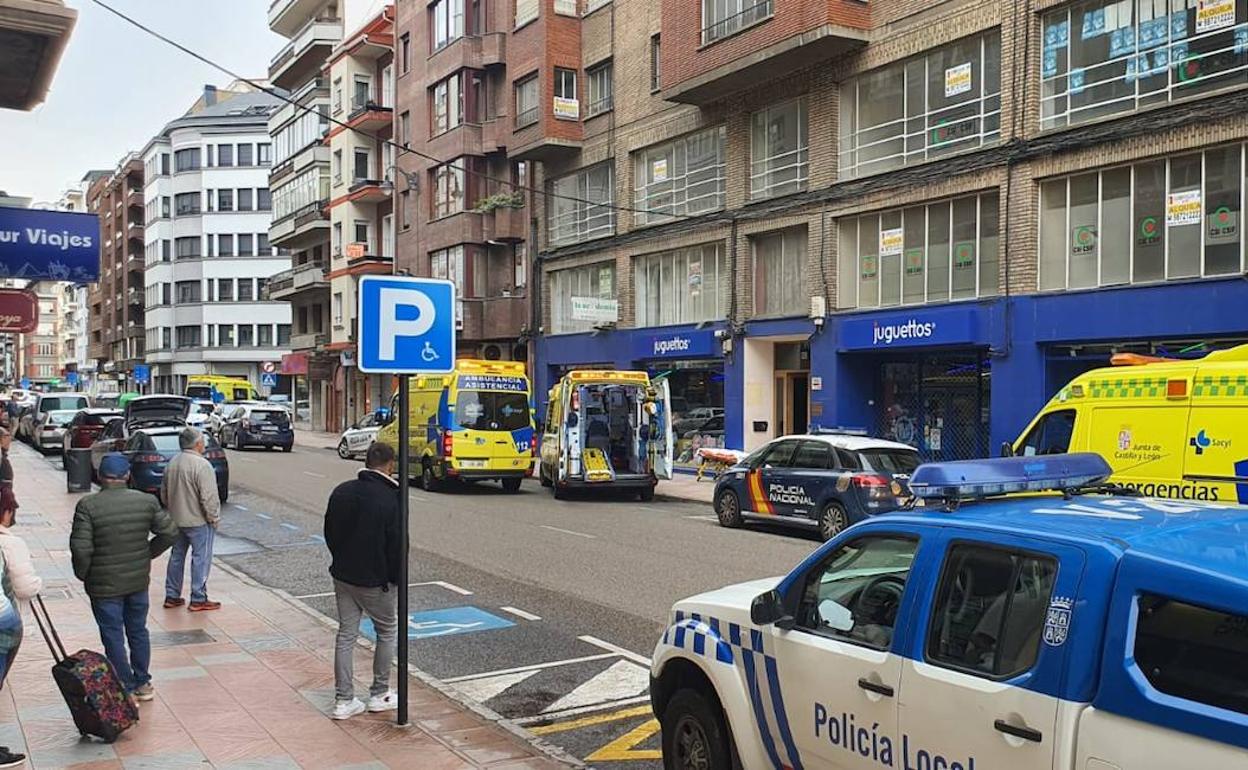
[500,200]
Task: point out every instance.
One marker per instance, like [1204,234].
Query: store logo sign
[958,325]
[684,344]
[664,347]
[887,334]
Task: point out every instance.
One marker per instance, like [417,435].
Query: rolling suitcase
[96,699]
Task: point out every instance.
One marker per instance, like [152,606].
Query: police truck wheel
[343,451]
[512,485]
[694,735]
[728,509]
[832,521]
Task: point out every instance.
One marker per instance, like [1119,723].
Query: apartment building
[74,305]
[460,209]
[41,349]
[115,304]
[299,179]
[206,253]
[914,219]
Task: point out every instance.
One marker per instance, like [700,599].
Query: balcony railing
[527,117]
[738,21]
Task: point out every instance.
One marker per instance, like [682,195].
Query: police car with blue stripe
[830,479]
[1075,627]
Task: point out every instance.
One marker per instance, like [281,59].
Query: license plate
[472,463]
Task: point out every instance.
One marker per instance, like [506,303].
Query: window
[188,292]
[941,102]
[526,11]
[186,248]
[246,154]
[526,101]
[387,236]
[166,338]
[264,154]
[654,63]
[337,308]
[166,207]
[990,610]
[337,167]
[188,336]
[225,245]
[164,170]
[813,455]
[778,154]
[283,335]
[244,199]
[245,290]
[361,166]
[573,217]
[780,273]
[600,89]
[462,265]
[186,160]
[405,129]
[306,129]
[225,199]
[225,336]
[1051,435]
[225,155]
[246,335]
[225,289]
[186,204]
[926,253]
[682,286]
[362,235]
[264,336]
[721,18]
[1166,219]
[1193,652]
[405,53]
[448,189]
[566,105]
[1130,54]
[447,112]
[335,242]
[245,241]
[582,297]
[447,22]
[361,92]
[682,177]
[262,245]
[166,294]
[856,595]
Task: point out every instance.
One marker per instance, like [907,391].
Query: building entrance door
[792,400]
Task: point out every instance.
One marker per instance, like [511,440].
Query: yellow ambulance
[607,429]
[201,386]
[1168,427]
[474,424]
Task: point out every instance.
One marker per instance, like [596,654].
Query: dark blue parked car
[258,425]
[151,449]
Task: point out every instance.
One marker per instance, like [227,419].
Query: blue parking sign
[406,325]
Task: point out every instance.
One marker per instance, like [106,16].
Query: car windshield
[58,403]
[902,461]
[199,391]
[61,416]
[490,410]
[271,416]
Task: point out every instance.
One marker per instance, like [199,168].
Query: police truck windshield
[489,410]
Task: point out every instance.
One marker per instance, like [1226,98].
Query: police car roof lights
[971,479]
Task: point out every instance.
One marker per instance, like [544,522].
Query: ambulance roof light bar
[976,479]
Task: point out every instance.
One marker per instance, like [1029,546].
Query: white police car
[1084,629]
[355,440]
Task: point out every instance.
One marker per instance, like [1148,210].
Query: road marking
[448,621]
[442,584]
[481,690]
[622,679]
[569,532]
[623,653]
[439,583]
[521,613]
[263,516]
[314,474]
[623,749]
[534,667]
[596,719]
[302,544]
[288,525]
[242,508]
[703,517]
[546,719]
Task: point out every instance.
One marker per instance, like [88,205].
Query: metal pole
[404,546]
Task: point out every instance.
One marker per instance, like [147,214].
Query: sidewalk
[248,686]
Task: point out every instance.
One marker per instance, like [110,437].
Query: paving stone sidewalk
[248,686]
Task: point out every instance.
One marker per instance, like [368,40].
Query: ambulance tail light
[448,444]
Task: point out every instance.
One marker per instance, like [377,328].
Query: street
[550,610]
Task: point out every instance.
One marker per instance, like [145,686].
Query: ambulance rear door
[662,445]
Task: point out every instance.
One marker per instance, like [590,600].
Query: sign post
[406,327]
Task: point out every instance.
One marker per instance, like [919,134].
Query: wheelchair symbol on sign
[428,354]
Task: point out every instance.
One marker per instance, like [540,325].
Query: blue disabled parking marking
[444,622]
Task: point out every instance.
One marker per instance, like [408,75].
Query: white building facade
[207,252]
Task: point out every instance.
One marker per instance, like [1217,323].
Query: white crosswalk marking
[623,679]
[488,687]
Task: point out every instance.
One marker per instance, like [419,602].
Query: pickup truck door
[985,666]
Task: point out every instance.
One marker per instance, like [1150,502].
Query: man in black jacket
[362,532]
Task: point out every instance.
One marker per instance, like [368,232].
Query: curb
[550,750]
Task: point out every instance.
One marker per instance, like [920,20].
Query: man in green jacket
[112,556]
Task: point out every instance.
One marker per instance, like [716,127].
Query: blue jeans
[199,541]
[122,619]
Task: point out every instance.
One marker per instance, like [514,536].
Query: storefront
[691,363]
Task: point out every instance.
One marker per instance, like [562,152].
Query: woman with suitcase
[19,583]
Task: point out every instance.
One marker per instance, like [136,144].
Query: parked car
[356,439]
[156,411]
[29,422]
[263,425]
[88,425]
[694,419]
[151,448]
[110,400]
[49,434]
[206,416]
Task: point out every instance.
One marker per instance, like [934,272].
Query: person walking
[112,555]
[19,583]
[6,467]
[189,491]
[362,533]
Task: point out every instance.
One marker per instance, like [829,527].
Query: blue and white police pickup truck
[1076,627]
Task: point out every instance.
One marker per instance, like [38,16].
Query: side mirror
[1007,449]
[767,609]
[355,426]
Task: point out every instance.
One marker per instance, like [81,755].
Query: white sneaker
[387,702]
[345,709]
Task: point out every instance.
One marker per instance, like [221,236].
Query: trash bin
[78,470]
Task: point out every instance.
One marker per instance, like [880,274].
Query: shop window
[933,253]
[1051,435]
[944,101]
[1165,219]
[1193,652]
[582,298]
[682,286]
[780,274]
[697,399]
[1108,57]
[581,205]
[778,150]
[680,178]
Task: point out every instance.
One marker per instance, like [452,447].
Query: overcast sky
[117,86]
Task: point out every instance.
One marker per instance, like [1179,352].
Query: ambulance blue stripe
[760,718]
[782,719]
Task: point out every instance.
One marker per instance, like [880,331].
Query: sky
[117,86]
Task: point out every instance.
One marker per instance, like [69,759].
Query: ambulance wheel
[832,521]
[343,451]
[728,509]
[646,493]
[694,734]
[511,485]
[428,481]
[560,493]
[542,478]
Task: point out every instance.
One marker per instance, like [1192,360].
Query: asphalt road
[545,611]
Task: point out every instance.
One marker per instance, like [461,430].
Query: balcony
[307,223]
[361,262]
[762,43]
[307,277]
[310,341]
[462,227]
[504,225]
[370,117]
[494,318]
[134,198]
[312,153]
[34,34]
[468,52]
[303,56]
[549,135]
[367,191]
[287,17]
[135,297]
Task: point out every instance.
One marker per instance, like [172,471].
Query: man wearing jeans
[189,490]
[112,556]
[362,533]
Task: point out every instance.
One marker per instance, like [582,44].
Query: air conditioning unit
[492,352]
